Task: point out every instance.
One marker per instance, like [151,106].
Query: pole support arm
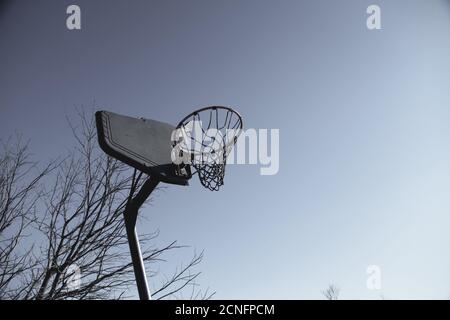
[130,215]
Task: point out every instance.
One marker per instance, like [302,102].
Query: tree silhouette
[332,292]
[62,234]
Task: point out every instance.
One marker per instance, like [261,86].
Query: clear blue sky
[364,119]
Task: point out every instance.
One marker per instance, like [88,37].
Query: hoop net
[204,139]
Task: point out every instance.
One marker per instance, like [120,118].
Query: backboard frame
[166,173]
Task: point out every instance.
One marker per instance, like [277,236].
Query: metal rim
[239,121]
[193,113]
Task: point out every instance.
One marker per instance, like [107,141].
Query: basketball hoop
[204,139]
[165,153]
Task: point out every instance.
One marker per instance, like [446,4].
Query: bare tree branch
[332,292]
[77,215]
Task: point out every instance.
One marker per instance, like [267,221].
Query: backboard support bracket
[130,215]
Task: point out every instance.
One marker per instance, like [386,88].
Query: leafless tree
[19,180]
[332,292]
[80,249]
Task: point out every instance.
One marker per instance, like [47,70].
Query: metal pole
[130,215]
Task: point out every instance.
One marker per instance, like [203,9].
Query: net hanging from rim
[204,139]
